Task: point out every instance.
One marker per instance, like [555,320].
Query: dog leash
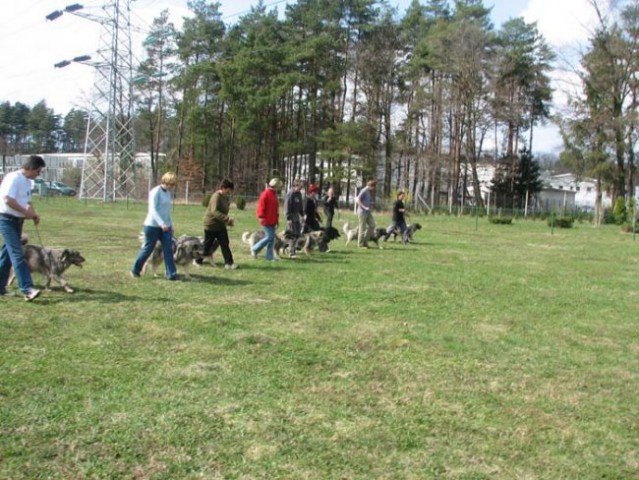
[38,234]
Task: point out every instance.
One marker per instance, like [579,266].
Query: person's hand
[230,222]
[30,213]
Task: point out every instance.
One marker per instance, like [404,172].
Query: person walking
[330,205]
[267,212]
[216,219]
[399,220]
[15,207]
[158,227]
[294,209]
[312,217]
[364,203]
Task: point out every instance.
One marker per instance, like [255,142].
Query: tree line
[417,100]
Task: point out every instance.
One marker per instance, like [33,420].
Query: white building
[583,192]
[562,191]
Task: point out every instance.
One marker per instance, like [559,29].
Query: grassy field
[480,351]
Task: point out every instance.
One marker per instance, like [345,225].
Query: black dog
[330,233]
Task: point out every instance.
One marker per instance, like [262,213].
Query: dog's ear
[66,253]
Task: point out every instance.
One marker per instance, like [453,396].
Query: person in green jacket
[216,219]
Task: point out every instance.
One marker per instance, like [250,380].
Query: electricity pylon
[109,150]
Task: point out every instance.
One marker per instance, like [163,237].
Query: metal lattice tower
[109,150]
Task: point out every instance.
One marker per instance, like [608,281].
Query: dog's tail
[246,237]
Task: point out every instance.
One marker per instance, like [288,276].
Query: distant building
[561,191]
[566,191]
[57,163]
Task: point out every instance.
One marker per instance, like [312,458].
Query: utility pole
[109,152]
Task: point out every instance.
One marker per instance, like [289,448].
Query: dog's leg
[187,273]
[307,246]
[61,281]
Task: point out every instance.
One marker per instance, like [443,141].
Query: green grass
[496,352]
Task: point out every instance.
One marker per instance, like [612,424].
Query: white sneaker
[254,255]
[231,266]
[32,294]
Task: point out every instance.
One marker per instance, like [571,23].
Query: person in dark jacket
[330,205]
[294,208]
[312,217]
[399,220]
[216,219]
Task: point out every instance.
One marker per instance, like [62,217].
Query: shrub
[619,211]
[240,202]
[501,220]
[561,222]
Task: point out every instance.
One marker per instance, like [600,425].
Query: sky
[30,44]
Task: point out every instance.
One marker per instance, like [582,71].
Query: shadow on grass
[217,280]
[84,295]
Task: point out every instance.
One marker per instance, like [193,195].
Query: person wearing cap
[15,207]
[294,209]
[267,212]
[158,227]
[399,220]
[364,204]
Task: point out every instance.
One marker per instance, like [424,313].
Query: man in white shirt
[15,207]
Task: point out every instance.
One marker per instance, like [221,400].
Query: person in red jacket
[267,212]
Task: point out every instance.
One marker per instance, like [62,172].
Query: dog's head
[417,226]
[331,233]
[379,233]
[72,257]
[188,247]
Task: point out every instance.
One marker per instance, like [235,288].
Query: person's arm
[216,212]
[359,200]
[259,211]
[28,212]
[287,206]
[155,198]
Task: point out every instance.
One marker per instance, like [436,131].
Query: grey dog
[52,263]
[186,248]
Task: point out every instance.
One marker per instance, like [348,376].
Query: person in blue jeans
[267,212]
[15,207]
[158,227]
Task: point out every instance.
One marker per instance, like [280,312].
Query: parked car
[48,187]
[63,188]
